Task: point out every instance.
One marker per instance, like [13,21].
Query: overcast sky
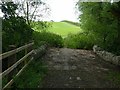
[63,10]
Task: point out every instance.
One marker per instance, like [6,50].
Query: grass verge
[32,76]
[114,77]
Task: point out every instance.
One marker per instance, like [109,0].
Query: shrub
[15,32]
[79,41]
[73,23]
[47,37]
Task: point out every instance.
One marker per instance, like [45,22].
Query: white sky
[63,10]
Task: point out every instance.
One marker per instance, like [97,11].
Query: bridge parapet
[107,56]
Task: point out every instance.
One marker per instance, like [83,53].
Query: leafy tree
[15,30]
[102,20]
[41,25]
[8,8]
[115,10]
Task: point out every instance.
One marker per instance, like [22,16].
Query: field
[63,28]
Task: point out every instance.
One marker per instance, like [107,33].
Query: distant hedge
[74,23]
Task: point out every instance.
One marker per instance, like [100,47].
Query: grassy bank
[63,28]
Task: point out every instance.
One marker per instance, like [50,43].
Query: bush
[73,23]
[47,37]
[41,25]
[79,41]
[15,32]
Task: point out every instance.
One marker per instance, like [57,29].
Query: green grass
[114,77]
[63,28]
[32,76]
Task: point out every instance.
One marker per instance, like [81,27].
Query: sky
[63,10]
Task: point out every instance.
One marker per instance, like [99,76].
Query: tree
[115,10]
[32,10]
[102,20]
[8,8]
[15,31]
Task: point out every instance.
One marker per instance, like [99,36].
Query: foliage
[79,41]
[32,76]
[74,23]
[47,37]
[97,18]
[15,30]
[8,8]
[41,25]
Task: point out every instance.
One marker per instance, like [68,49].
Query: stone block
[115,60]
[107,56]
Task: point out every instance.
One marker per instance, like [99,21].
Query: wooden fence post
[13,63]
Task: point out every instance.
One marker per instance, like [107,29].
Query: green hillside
[63,28]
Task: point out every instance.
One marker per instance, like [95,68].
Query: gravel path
[74,68]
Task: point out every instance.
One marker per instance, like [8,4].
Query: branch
[33,13]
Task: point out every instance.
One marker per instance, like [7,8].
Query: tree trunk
[27,13]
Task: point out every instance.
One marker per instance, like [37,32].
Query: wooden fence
[13,63]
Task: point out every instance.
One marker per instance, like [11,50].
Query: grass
[114,77]
[63,28]
[32,76]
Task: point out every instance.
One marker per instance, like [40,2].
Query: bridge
[67,68]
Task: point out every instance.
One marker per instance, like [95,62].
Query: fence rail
[14,66]
[7,54]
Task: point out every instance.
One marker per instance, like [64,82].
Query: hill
[64,28]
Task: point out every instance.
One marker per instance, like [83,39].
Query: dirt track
[74,68]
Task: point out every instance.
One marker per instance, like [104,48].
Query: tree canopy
[102,19]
